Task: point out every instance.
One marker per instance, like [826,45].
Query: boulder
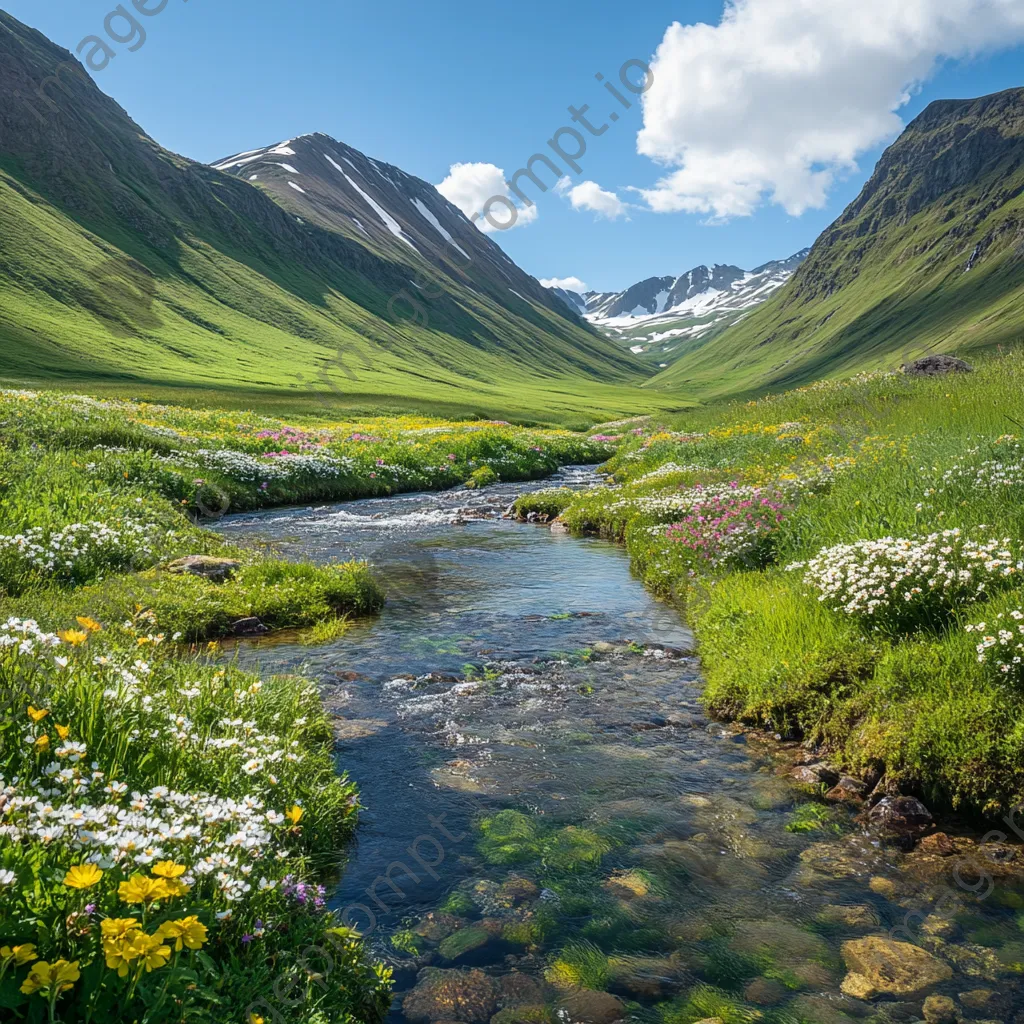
[883,967]
[900,815]
[847,790]
[936,366]
[815,775]
[940,1010]
[587,1007]
[467,996]
[518,989]
[207,566]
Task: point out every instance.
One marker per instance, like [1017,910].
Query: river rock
[938,844]
[821,1009]
[815,775]
[857,915]
[207,566]
[765,992]
[936,366]
[518,989]
[940,1010]
[517,890]
[587,1007]
[439,995]
[465,940]
[883,967]
[847,790]
[900,815]
[249,626]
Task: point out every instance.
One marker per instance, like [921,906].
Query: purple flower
[90,908]
[246,939]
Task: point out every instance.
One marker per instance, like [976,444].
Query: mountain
[929,257]
[131,268]
[665,317]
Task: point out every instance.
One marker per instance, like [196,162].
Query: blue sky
[478,83]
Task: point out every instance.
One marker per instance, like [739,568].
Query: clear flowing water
[549,813]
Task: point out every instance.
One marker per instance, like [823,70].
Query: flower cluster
[904,581]
[730,529]
[82,550]
[1004,646]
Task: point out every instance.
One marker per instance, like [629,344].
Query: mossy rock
[509,837]
[573,848]
[464,941]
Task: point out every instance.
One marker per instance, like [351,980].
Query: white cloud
[569,284]
[590,196]
[471,186]
[783,95]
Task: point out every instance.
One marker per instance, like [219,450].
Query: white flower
[7,877]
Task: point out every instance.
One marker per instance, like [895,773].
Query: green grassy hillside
[928,258]
[128,268]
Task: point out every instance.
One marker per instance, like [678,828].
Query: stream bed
[553,830]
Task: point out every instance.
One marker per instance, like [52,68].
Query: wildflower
[294,814]
[115,928]
[189,931]
[50,980]
[83,876]
[37,714]
[42,744]
[73,636]
[168,869]
[140,889]
[7,877]
[152,951]
[90,624]
[63,731]
[18,955]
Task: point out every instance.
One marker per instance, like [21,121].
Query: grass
[170,823]
[155,276]
[901,687]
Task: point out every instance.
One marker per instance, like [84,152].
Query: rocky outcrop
[207,566]
[936,366]
[879,966]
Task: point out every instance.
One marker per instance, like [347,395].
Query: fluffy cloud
[470,186]
[783,95]
[569,284]
[588,195]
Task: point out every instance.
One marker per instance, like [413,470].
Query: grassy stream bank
[849,556]
[168,823]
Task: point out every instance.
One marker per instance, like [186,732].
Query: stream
[551,823]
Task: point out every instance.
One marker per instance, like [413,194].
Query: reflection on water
[553,827]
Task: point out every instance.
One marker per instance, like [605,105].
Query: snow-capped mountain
[658,316]
[383,208]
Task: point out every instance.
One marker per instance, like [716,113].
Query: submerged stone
[883,967]
[439,995]
[940,1010]
[857,915]
[587,1007]
[464,941]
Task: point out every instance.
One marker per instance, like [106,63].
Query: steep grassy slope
[125,266]
[927,258]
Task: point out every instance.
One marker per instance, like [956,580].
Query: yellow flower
[90,624]
[22,954]
[294,814]
[37,714]
[73,636]
[83,876]
[255,1018]
[63,731]
[151,950]
[168,869]
[189,931]
[139,889]
[120,953]
[51,979]
[42,744]
[117,927]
